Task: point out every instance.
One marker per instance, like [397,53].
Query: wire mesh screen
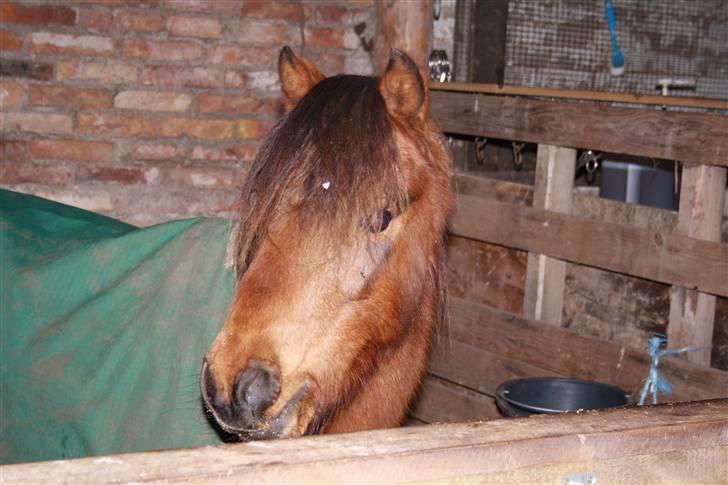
[566,44]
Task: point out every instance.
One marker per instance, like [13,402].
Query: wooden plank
[404,25]
[692,313]
[485,88]
[672,259]
[577,356]
[672,135]
[543,298]
[478,368]
[640,437]
[606,210]
[444,402]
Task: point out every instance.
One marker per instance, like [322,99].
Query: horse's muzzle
[255,390]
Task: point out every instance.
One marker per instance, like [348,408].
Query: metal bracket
[582,478]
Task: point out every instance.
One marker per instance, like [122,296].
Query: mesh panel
[565,44]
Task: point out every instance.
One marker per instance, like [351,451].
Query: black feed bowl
[523,397]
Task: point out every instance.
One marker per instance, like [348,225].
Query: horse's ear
[402,87]
[297,75]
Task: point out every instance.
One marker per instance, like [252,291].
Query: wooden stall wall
[517,252]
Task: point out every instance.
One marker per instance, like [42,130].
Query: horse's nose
[256,388]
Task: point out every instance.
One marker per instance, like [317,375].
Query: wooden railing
[690,257]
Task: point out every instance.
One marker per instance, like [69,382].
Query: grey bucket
[543,395]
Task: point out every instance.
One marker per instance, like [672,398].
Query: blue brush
[616,67]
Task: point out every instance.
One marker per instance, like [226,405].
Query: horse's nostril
[255,389]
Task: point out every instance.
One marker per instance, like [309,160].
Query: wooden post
[405,25]
[692,313]
[543,297]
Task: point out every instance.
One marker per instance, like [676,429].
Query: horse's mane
[332,160]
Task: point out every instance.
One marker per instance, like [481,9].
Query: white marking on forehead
[326,185]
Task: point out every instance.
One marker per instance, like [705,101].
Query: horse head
[339,255]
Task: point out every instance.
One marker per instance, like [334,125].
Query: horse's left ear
[402,87]
[297,75]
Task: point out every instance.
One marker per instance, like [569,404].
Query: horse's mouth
[251,425]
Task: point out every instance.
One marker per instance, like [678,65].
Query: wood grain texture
[692,313]
[490,88]
[441,401]
[478,368]
[672,259]
[624,444]
[688,137]
[543,298]
[403,25]
[566,353]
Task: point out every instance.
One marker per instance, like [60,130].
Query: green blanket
[103,327]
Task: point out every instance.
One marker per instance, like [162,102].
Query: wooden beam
[671,259]
[405,25]
[492,88]
[477,368]
[566,353]
[692,313]
[672,135]
[543,297]
[605,210]
[683,443]
[443,402]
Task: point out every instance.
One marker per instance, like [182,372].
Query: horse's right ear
[297,75]
[402,87]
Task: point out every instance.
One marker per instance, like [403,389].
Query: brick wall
[148,110]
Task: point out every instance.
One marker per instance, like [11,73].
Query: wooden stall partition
[482,347]
[683,443]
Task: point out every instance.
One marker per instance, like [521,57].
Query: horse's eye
[381,221]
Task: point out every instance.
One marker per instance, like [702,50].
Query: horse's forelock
[332,160]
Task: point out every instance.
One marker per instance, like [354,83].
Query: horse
[339,257]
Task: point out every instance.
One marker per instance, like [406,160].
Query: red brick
[129,175]
[34,173]
[161,50]
[228,6]
[126,3]
[205,129]
[241,55]
[260,33]
[125,21]
[286,10]
[11,94]
[184,76]
[51,43]
[155,152]
[265,80]
[253,129]
[96,20]
[200,176]
[107,73]
[29,70]
[13,150]
[330,38]
[69,97]
[36,122]
[9,41]
[201,152]
[333,14]
[206,28]
[77,150]
[235,79]
[14,13]
[115,125]
[153,100]
[220,103]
